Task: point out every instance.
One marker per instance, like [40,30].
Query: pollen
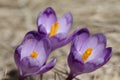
[86,54]
[34,54]
[54,29]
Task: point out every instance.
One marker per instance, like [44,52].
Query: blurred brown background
[19,16]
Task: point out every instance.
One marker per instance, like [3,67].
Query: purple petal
[47,18]
[76,65]
[99,61]
[32,45]
[100,46]
[65,23]
[97,51]
[29,43]
[108,54]
[29,66]
[42,56]
[91,42]
[27,47]
[81,34]
[101,38]
[89,67]
[33,35]
[42,30]
[47,46]
[47,67]
[59,41]
[80,39]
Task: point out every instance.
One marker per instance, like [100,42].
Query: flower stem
[21,78]
[41,76]
[70,77]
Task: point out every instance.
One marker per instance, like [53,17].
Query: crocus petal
[65,23]
[104,57]
[47,67]
[42,30]
[29,66]
[93,41]
[81,36]
[100,61]
[29,43]
[33,35]
[28,47]
[59,40]
[108,52]
[97,51]
[75,64]
[101,38]
[89,67]
[78,34]
[47,18]
[101,45]
[42,56]
[47,46]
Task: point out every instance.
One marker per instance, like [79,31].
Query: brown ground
[19,16]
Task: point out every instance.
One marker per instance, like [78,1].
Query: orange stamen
[54,29]
[34,54]
[86,54]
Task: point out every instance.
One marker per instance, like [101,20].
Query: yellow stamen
[86,54]
[54,29]
[34,54]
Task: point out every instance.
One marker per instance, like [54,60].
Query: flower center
[54,29]
[86,54]
[34,54]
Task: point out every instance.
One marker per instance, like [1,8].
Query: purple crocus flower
[56,30]
[31,55]
[88,53]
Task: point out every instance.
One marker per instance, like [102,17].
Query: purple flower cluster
[87,53]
